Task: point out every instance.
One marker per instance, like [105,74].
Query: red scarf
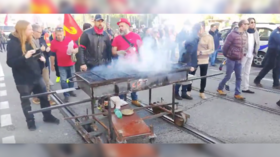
[97,30]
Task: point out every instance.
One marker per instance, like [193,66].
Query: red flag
[71,28]
[43,6]
[6,20]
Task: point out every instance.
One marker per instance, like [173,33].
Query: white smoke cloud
[152,60]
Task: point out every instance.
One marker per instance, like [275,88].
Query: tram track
[68,112]
[246,103]
[189,129]
[253,87]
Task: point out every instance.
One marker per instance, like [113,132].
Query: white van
[265,29]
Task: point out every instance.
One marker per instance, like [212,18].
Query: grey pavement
[223,119]
[16,129]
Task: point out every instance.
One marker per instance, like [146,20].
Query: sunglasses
[246,23]
[59,29]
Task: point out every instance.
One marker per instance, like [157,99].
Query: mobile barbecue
[101,85]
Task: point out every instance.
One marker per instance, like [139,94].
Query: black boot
[72,94]
[186,96]
[178,97]
[31,125]
[66,99]
[51,119]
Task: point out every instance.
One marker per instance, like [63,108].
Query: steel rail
[199,134]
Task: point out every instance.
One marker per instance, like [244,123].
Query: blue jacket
[190,54]
[216,37]
[274,39]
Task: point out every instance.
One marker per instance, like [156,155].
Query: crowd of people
[31,58]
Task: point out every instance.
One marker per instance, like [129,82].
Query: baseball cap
[124,21]
[98,17]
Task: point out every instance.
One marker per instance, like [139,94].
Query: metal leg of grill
[173,101]
[150,96]
[110,121]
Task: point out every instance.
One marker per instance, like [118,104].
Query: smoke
[153,58]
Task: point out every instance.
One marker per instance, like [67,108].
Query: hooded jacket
[189,56]
[25,71]
[236,45]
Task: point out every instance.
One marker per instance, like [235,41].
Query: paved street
[227,120]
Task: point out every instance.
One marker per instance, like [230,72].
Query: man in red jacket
[127,43]
[234,49]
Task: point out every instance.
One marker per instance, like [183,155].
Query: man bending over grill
[127,40]
[95,46]
[60,46]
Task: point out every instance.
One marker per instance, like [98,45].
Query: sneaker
[221,92]
[258,84]
[66,99]
[136,103]
[276,87]
[51,119]
[72,94]
[239,97]
[186,96]
[227,87]
[248,91]
[57,80]
[202,96]
[31,125]
[52,102]
[36,101]
[178,97]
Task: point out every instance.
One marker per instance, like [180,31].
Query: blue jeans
[183,91]
[134,96]
[66,72]
[213,57]
[235,66]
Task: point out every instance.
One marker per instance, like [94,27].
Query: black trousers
[56,67]
[3,47]
[37,87]
[203,72]
[272,62]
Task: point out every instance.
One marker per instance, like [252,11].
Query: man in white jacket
[253,47]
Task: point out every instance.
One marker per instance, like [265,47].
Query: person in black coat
[85,27]
[27,72]
[189,57]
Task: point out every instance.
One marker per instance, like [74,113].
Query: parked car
[264,29]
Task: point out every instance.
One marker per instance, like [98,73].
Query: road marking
[9,139]
[6,120]
[266,79]
[1,78]
[4,105]
[3,93]
[1,71]
[2,85]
